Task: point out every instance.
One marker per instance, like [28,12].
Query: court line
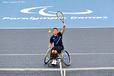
[91,53]
[13,28]
[22,54]
[41,54]
[50,69]
[64,72]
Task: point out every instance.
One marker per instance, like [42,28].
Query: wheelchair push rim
[66,58]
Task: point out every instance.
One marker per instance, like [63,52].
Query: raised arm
[63,29]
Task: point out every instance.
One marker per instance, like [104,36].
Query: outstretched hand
[64,25]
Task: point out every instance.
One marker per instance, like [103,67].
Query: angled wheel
[66,58]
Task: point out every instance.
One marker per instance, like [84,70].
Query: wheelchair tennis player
[56,38]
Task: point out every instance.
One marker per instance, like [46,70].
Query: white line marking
[45,54]
[91,53]
[21,54]
[13,28]
[50,69]
[61,68]
[64,72]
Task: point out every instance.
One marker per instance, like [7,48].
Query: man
[56,38]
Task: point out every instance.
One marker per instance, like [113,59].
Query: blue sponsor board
[42,13]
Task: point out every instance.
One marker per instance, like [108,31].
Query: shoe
[54,62]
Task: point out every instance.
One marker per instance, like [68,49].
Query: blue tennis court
[22,52]
[26,27]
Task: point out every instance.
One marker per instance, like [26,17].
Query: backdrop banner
[42,13]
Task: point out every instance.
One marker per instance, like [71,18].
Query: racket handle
[63,22]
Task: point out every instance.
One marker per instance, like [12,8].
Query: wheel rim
[66,58]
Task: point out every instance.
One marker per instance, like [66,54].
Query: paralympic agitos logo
[50,13]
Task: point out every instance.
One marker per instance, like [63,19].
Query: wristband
[49,48]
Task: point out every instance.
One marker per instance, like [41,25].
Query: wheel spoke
[66,58]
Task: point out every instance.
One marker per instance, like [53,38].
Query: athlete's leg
[53,52]
[59,49]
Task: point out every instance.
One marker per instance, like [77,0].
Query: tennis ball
[49,31]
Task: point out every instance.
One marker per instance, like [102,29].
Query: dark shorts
[58,48]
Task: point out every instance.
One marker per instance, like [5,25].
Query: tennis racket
[47,58]
[60,15]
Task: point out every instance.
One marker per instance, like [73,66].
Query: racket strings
[60,15]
